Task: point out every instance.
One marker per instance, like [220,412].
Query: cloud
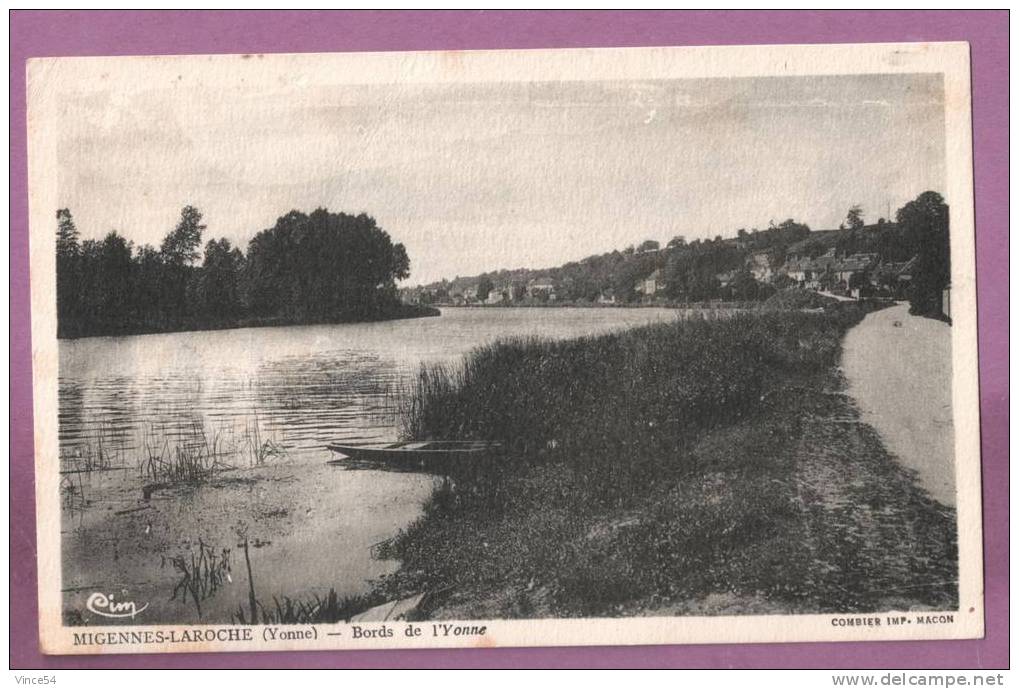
[480,176]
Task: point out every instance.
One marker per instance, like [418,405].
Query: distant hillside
[886,239]
[689,267]
[748,266]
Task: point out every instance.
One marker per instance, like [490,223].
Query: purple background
[56,33]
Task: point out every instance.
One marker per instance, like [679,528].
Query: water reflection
[303,385]
[314,525]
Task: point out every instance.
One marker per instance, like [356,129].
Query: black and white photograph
[504,348]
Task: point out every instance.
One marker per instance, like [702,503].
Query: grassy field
[697,467]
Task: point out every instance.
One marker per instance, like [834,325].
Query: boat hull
[440,457]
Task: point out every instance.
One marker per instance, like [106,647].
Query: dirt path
[898,371]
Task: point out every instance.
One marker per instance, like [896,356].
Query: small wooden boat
[433,456]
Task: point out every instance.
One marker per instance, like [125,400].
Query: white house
[539,287]
[760,266]
[651,285]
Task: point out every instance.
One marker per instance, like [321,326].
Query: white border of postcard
[48,78]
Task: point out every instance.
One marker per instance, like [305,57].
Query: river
[311,526]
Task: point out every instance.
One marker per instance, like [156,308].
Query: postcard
[504,348]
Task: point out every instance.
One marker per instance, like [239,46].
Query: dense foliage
[308,268]
[924,221]
[693,271]
[634,394]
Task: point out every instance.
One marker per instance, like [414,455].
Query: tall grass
[199,455]
[201,574]
[196,454]
[315,609]
[258,449]
[661,465]
[618,406]
[97,451]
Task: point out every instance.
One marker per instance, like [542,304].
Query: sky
[478,177]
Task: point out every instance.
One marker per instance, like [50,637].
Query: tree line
[688,269]
[308,268]
[691,270]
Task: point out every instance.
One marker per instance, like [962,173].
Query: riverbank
[239,396]
[656,304]
[304,515]
[702,467]
[395,312]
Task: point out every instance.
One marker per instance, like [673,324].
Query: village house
[831,271]
[895,277]
[420,295]
[727,277]
[797,270]
[855,265]
[651,285]
[539,288]
[607,297]
[498,295]
[761,267]
[812,273]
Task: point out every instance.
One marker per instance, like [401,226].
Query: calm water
[305,385]
[314,524]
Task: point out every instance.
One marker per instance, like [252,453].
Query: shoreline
[793,506]
[699,306]
[405,312]
[780,499]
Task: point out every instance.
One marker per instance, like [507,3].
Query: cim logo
[104,605]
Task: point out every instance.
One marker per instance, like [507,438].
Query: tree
[179,250]
[924,220]
[323,267]
[219,281]
[68,269]
[860,281]
[180,247]
[399,262]
[743,286]
[854,218]
[308,268]
[150,296]
[67,234]
[649,245]
[485,287]
[107,301]
[676,242]
[789,232]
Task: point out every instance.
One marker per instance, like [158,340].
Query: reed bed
[193,454]
[656,468]
[618,405]
[193,459]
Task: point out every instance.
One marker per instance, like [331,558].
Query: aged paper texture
[488,349]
